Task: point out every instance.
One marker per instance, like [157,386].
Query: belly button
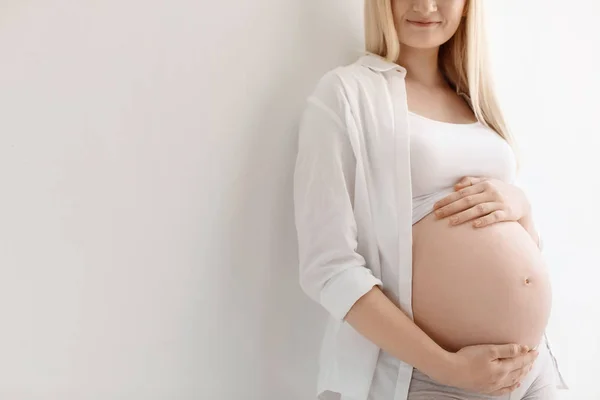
[527,281]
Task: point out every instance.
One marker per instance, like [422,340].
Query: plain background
[147,246]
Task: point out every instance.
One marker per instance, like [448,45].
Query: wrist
[526,220]
[528,224]
[441,366]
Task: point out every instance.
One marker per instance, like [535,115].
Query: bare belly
[478,286]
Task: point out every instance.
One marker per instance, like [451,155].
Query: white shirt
[353,211]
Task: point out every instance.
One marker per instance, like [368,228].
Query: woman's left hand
[483,201]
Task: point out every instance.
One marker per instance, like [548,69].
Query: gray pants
[539,384]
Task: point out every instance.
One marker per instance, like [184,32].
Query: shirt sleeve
[332,273]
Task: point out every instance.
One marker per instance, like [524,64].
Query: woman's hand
[488,369]
[483,201]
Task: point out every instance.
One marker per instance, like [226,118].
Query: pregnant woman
[412,233]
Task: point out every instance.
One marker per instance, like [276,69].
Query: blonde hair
[463,59]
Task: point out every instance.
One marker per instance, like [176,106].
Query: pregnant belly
[478,286]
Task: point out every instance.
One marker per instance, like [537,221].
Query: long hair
[463,59]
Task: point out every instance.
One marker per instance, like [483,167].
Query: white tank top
[442,153]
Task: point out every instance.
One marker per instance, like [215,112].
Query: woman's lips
[424,24]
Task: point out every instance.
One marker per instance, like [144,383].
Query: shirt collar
[379,64]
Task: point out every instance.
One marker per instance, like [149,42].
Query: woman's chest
[443,153]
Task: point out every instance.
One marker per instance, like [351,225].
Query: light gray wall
[147,247]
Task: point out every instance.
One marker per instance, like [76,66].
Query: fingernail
[477,223]
[524,349]
[454,220]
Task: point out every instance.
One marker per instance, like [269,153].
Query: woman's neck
[422,66]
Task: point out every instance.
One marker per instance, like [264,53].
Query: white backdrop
[147,247]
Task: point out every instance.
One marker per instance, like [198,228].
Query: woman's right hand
[488,369]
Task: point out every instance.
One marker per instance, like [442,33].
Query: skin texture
[478,274]
[486,367]
[478,285]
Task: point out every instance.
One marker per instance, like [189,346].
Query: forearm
[382,322]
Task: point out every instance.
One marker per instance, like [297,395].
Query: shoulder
[365,69]
[365,76]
